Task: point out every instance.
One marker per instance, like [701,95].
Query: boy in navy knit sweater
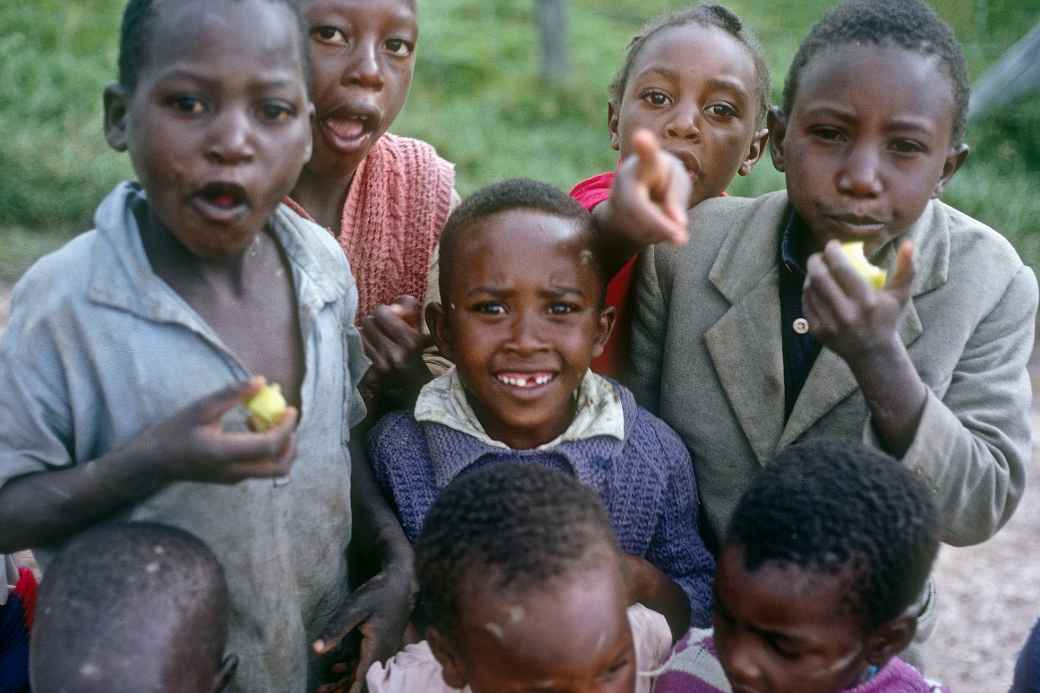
[522,317]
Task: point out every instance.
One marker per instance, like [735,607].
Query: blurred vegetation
[476,97]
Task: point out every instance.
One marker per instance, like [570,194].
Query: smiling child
[825,556]
[697,80]
[523,586]
[522,317]
[130,349]
[759,333]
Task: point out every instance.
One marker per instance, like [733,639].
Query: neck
[524,438]
[324,196]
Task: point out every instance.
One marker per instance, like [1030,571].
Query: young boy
[825,555]
[522,316]
[759,332]
[130,349]
[524,588]
[133,607]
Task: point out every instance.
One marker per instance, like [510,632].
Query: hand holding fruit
[844,309]
[193,446]
[394,344]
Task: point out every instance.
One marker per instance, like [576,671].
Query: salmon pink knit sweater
[396,206]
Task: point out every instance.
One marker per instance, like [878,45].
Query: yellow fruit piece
[266,407]
[875,276]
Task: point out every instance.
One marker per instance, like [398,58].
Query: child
[697,79]
[729,349]
[193,281]
[825,554]
[384,198]
[522,316]
[133,607]
[523,585]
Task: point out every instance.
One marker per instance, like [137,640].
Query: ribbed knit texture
[398,201]
[646,483]
[694,668]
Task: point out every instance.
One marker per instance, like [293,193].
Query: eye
[784,648]
[903,146]
[561,308]
[722,110]
[490,308]
[276,111]
[188,105]
[829,134]
[399,47]
[329,35]
[656,97]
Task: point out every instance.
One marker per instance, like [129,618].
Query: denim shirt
[98,348]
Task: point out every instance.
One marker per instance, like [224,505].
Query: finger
[649,166]
[677,200]
[364,662]
[821,321]
[844,274]
[212,407]
[250,446]
[343,623]
[825,289]
[396,328]
[900,280]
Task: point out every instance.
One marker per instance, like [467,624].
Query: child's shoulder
[394,432]
[973,241]
[420,156]
[647,433]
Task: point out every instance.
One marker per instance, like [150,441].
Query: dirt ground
[987,593]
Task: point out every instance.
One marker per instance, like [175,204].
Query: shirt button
[801,326]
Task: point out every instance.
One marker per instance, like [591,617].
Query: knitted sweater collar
[604,412]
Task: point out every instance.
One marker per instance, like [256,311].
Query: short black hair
[840,508]
[516,525]
[908,24]
[138,24]
[121,596]
[707,16]
[516,193]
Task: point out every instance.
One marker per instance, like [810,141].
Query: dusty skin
[987,605]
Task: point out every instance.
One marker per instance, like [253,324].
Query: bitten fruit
[266,407]
[875,276]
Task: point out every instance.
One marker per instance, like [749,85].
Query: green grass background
[476,97]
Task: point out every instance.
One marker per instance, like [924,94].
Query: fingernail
[319,646]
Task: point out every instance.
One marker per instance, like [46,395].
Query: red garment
[589,193]
[396,207]
[26,591]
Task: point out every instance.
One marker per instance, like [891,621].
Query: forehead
[882,83]
[697,50]
[558,631]
[248,36]
[396,10]
[522,239]
[782,597]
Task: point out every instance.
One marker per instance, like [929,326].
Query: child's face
[522,322]
[218,127]
[867,142]
[574,638]
[781,629]
[362,56]
[695,88]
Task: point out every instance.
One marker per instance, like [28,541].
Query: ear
[889,639]
[437,320]
[604,328]
[755,151]
[227,672]
[776,122]
[612,125]
[447,656]
[955,158]
[116,105]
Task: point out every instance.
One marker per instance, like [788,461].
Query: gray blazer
[708,359]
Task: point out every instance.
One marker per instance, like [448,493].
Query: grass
[476,97]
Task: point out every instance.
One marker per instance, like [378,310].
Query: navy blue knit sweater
[646,482]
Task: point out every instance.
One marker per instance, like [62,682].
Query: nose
[739,661]
[363,68]
[684,122]
[231,138]
[861,174]
[526,336]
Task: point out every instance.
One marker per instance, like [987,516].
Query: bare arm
[652,588]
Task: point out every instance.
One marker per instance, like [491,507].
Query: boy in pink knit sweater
[826,554]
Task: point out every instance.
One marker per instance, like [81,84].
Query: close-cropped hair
[504,196]
[120,594]
[840,508]
[705,15]
[908,24]
[514,526]
[136,35]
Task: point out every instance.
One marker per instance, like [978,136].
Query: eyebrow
[713,82]
[191,76]
[899,123]
[503,291]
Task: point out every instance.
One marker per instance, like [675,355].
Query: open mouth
[525,381]
[221,202]
[347,129]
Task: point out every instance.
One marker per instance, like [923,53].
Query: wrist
[878,357]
